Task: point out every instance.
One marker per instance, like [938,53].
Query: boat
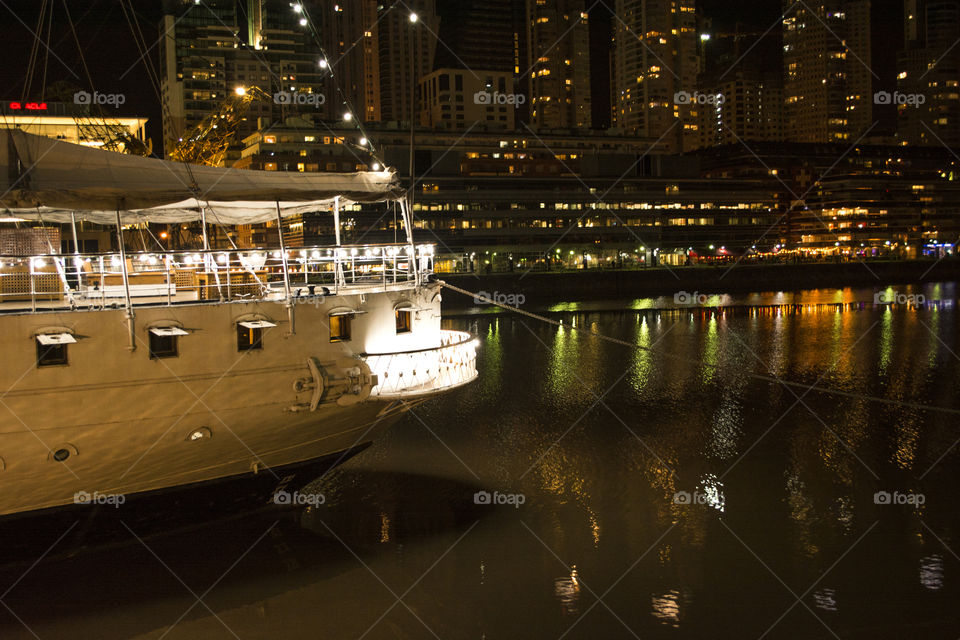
[136,372]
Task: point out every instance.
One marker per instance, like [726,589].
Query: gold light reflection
[563,356]
[664,554]
[933,330]
[907,442]
[492,353]
[886,341]
[796,341]
[643,359]
[567,591]
[711,350]
[384,528]
[594,529]
[644,303]
[558,475]
[666,608]
[564,306]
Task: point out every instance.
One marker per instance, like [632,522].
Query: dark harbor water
[642,495]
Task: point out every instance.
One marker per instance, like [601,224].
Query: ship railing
[43,282]
[425,372]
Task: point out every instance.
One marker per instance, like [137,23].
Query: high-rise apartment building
[406,52]
[558,64]
[928,80]
[489,36]
[742,83]
[745,106]
[467,98]
[479,34]
[827,83]
[349,35]
[211,48]
[655,71]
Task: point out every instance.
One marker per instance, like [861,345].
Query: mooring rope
[757,376]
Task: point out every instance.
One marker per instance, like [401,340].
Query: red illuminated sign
[29,106]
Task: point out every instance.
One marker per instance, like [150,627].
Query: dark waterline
[781,537]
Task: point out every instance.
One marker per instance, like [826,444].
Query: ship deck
[54,283]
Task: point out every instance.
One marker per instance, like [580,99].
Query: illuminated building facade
[750,110]
[349,32]
[463,98]
[210,48]
[520,195]
[928,78]
[743,72]
[827,76]
[488,35]
[406,52]
[558,60]
[877,198]
[514,194]
[482,34]
[68,122]
[655,71]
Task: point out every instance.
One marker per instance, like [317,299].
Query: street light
[414,17]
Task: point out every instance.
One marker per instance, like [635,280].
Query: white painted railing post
[126,285]
[336,219]
[407,210]
[76,252]
[286,273]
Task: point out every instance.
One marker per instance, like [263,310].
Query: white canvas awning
[48,179]
[48,339]
[256,324]
[167,332]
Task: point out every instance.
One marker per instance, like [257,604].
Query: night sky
[112,55]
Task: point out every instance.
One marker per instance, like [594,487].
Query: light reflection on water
[601,439]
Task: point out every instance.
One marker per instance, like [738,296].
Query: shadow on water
[146,583]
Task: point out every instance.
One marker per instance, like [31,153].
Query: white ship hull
[135,372]
[131,424]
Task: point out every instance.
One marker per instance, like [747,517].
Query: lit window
[340,327]
[250,334]
[404,319]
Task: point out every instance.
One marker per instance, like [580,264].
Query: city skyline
[371,97]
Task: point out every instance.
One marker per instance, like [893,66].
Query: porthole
[201,433]
[61,452]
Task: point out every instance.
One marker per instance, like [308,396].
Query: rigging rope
[757,376]
[46,58]
[34,52]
